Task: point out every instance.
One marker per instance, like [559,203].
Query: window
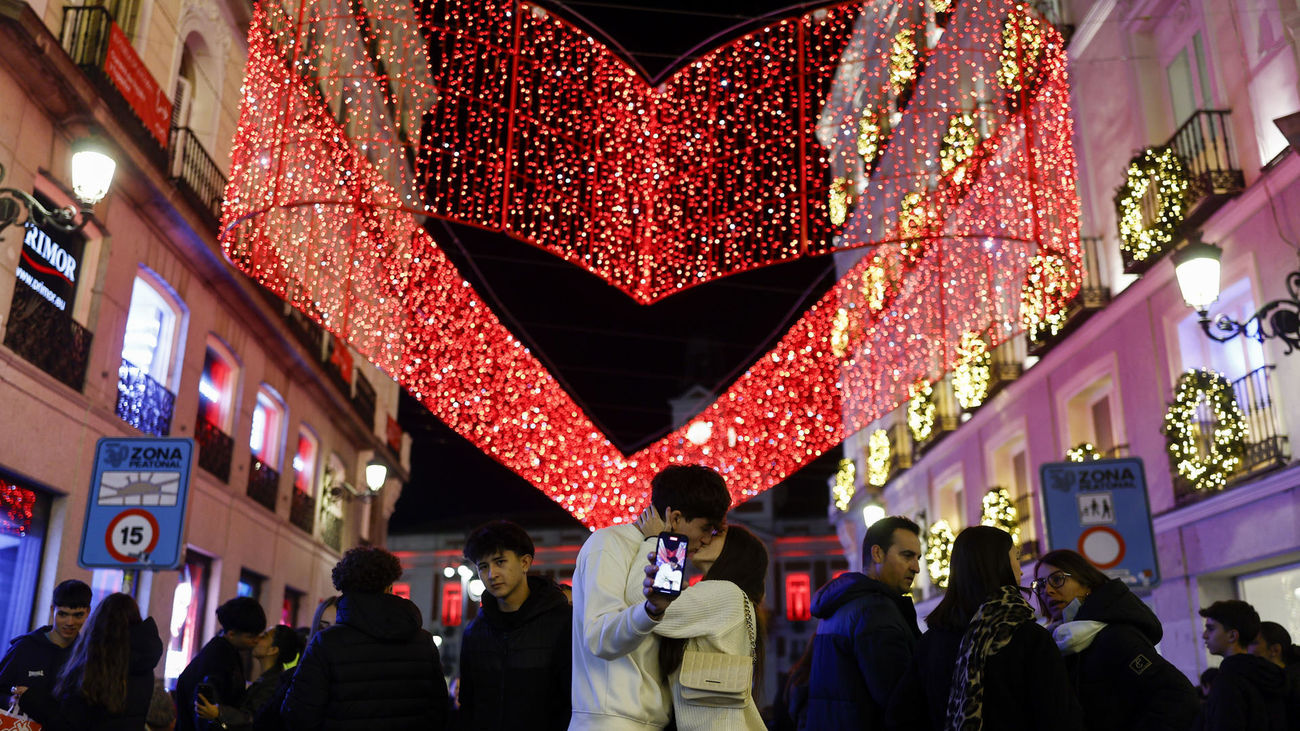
[217,386]
[24,516]
[189,604]
[950,502]
[197,95]
[291,607]
[1189,81]
[250,584]
[452,609]
[1275,594]
[266,439]
[104,582]
[1089,412]
[304,461]
[1010,465]
[798,597]
[154,330]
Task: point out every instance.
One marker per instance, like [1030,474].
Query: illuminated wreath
[1044,295]
[845,484]
[878,450]
[1183,430]
[938,552]
[1000,512]
[921,412]
[974,371]
[1162,167]
[1082,453]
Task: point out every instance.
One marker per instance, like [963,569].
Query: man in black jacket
[1249,693]
[868,630]
[515,658]
[375,668]
[33,661]
[242,622]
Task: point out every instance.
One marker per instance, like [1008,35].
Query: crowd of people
[614,653]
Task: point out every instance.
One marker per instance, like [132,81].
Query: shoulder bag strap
[749,625]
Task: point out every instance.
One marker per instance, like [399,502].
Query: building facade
[136,325]
[1175,103]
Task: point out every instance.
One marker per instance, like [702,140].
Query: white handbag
[720,679]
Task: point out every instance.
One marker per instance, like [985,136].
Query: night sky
[621,361]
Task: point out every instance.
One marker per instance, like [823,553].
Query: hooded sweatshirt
[862,646]
[375,668]
[33,661]
[515,667]
[1249,694]
[1121,681]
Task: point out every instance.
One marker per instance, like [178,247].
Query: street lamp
[92,174]
[1197,268]
[376,474]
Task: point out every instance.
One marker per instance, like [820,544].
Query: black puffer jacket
[1249,694]
[375,668]
[75,713]
[515,667]
[1121,681]
[862,646]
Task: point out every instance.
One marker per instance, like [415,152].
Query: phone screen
[670,563]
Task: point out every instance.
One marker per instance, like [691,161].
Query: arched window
[155,328]
[304,461]
[266,437]
[196,99]
[217,385]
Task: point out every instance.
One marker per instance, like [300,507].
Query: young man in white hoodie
[616,680]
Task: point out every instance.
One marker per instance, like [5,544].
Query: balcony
[1094,294]
[1204,146]
[47,337]
[216,448]
[363,400]
[198,177]
[1054,12]
[302,511]
[946,419]
[263,483]
[331,530]
[1005,365]
[1266,446]
[142,402]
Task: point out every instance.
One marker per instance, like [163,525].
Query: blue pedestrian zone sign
[139,492]
[1100,509]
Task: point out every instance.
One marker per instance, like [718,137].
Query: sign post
[1100,509]
[139,493]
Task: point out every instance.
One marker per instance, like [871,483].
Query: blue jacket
[863,644]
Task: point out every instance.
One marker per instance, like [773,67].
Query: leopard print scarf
[990,630]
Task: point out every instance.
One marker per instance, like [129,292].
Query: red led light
[798,597]
[952,161]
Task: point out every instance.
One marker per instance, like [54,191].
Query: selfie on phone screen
[671,560]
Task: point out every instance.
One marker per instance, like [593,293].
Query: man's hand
[655,603]
[15,693]
[205,709]
[650,523]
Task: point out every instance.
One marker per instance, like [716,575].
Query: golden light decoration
[1166,170]
[938,552]
[875,283]
[941,6]
[1045,295]
[1203,393]
[902,59]
[959,143]
[871,132]
[1022,44]
[840,333]
[1082,453]
[878,451]
[845,484]
[912,216]
[921,411]
[840,197]
[971,377]
[1000,512]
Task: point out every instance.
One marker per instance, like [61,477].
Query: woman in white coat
[717,615]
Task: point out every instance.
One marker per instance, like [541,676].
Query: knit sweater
[711,616]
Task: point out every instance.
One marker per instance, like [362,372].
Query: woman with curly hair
[376,667]
[107,682]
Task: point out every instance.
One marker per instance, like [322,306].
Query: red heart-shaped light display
[938,134]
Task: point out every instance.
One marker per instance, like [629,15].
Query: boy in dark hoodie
[1250,692]
[515,659]
[34,660]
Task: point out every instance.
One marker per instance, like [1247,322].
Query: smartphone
[206,690]
[670,563]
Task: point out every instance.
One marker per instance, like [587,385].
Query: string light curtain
[936,147]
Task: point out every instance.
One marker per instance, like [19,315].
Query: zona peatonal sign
[139,493]
[1100,509]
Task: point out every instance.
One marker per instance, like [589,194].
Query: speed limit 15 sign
[135,516]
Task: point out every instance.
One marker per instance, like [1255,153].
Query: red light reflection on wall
[452,604]
[798,597]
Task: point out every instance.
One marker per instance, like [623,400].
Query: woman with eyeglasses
[984,663]
[1107,637]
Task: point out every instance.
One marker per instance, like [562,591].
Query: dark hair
[366,570]
[980,565]
[881,533]
[326,603]
[72,594]
[1207,677]
[286,641]
[1234,614]
[1274,634]
[498,536]
[99,661]
[743,562]
[696,490]
[242,614]
[1074,564]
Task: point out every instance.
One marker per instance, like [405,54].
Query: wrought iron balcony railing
[1006,363]
[302,510]
[216,448]
[1267,447]
[47,337]
[263,483]
[331,530]
[1094,294]
[198,176]
[142,402]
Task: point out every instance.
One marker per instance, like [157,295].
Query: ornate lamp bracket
[18,206]
[1277,319]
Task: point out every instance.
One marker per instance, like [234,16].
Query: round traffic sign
[131,534]
[1103,546]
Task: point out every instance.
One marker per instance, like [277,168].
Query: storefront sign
[51,261]
[138,496]
[142,93]
[1100,509]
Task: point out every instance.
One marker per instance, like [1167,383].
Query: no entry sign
[136,512]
